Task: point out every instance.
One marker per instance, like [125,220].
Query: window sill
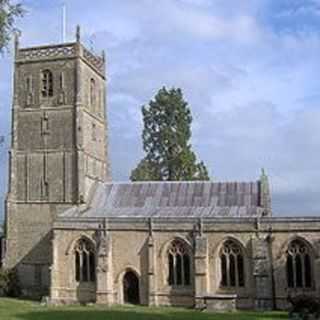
[231,290]
[301,290]
[178,290]
[85,282]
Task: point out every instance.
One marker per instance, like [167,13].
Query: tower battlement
[69,50]
[58,147]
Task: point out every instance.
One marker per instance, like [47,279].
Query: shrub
[305,307]
[9,283]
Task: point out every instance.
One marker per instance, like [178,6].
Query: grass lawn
[11,309]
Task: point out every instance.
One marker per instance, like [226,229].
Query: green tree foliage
[9,12]
[166,134]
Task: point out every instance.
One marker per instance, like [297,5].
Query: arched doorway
[131,288]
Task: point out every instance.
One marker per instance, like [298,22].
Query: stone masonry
[76,236]
[59,149]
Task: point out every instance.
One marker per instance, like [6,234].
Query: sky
[249,70]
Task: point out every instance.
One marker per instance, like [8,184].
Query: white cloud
[252,85]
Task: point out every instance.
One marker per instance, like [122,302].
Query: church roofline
[199,199]
[180,181]
[47,46]
[263,224]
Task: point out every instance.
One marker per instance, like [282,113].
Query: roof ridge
[177,182]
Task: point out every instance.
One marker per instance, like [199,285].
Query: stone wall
[55,155]
[137,246]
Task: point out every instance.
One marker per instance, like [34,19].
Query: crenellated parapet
[96,61]
[46,52]
[60,51]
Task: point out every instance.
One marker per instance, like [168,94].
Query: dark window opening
[77,266]
[290,271]
[186,268]
[223,271]
[85,266]
[92,94]
[92,266]
[178,264]
[232,265]
[232,271]
[299,271]
[298,266]
[179,269]
[307,264]
[171,267]
[240,270]
[131,290]
[47,84]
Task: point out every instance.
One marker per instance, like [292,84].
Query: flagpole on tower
[64,22]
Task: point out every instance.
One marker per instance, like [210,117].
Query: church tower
[58,151]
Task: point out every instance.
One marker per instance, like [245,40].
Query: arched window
[85,263]
[47,83]
[179,264]
[92,94]
[232,265]
[299,265]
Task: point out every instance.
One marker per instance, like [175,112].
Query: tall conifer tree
[166,141]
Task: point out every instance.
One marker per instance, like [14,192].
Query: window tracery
[47,83]
[85,264]
[299,273]
[232,265]
[179,264]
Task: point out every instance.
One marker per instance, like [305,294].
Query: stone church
[74,235]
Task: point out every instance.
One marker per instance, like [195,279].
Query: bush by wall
[9,283]
[304,307]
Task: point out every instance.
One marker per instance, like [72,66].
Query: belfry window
[85,264]
[299,273]
[178,264]
[47,83]
[92,94]
[232,265]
